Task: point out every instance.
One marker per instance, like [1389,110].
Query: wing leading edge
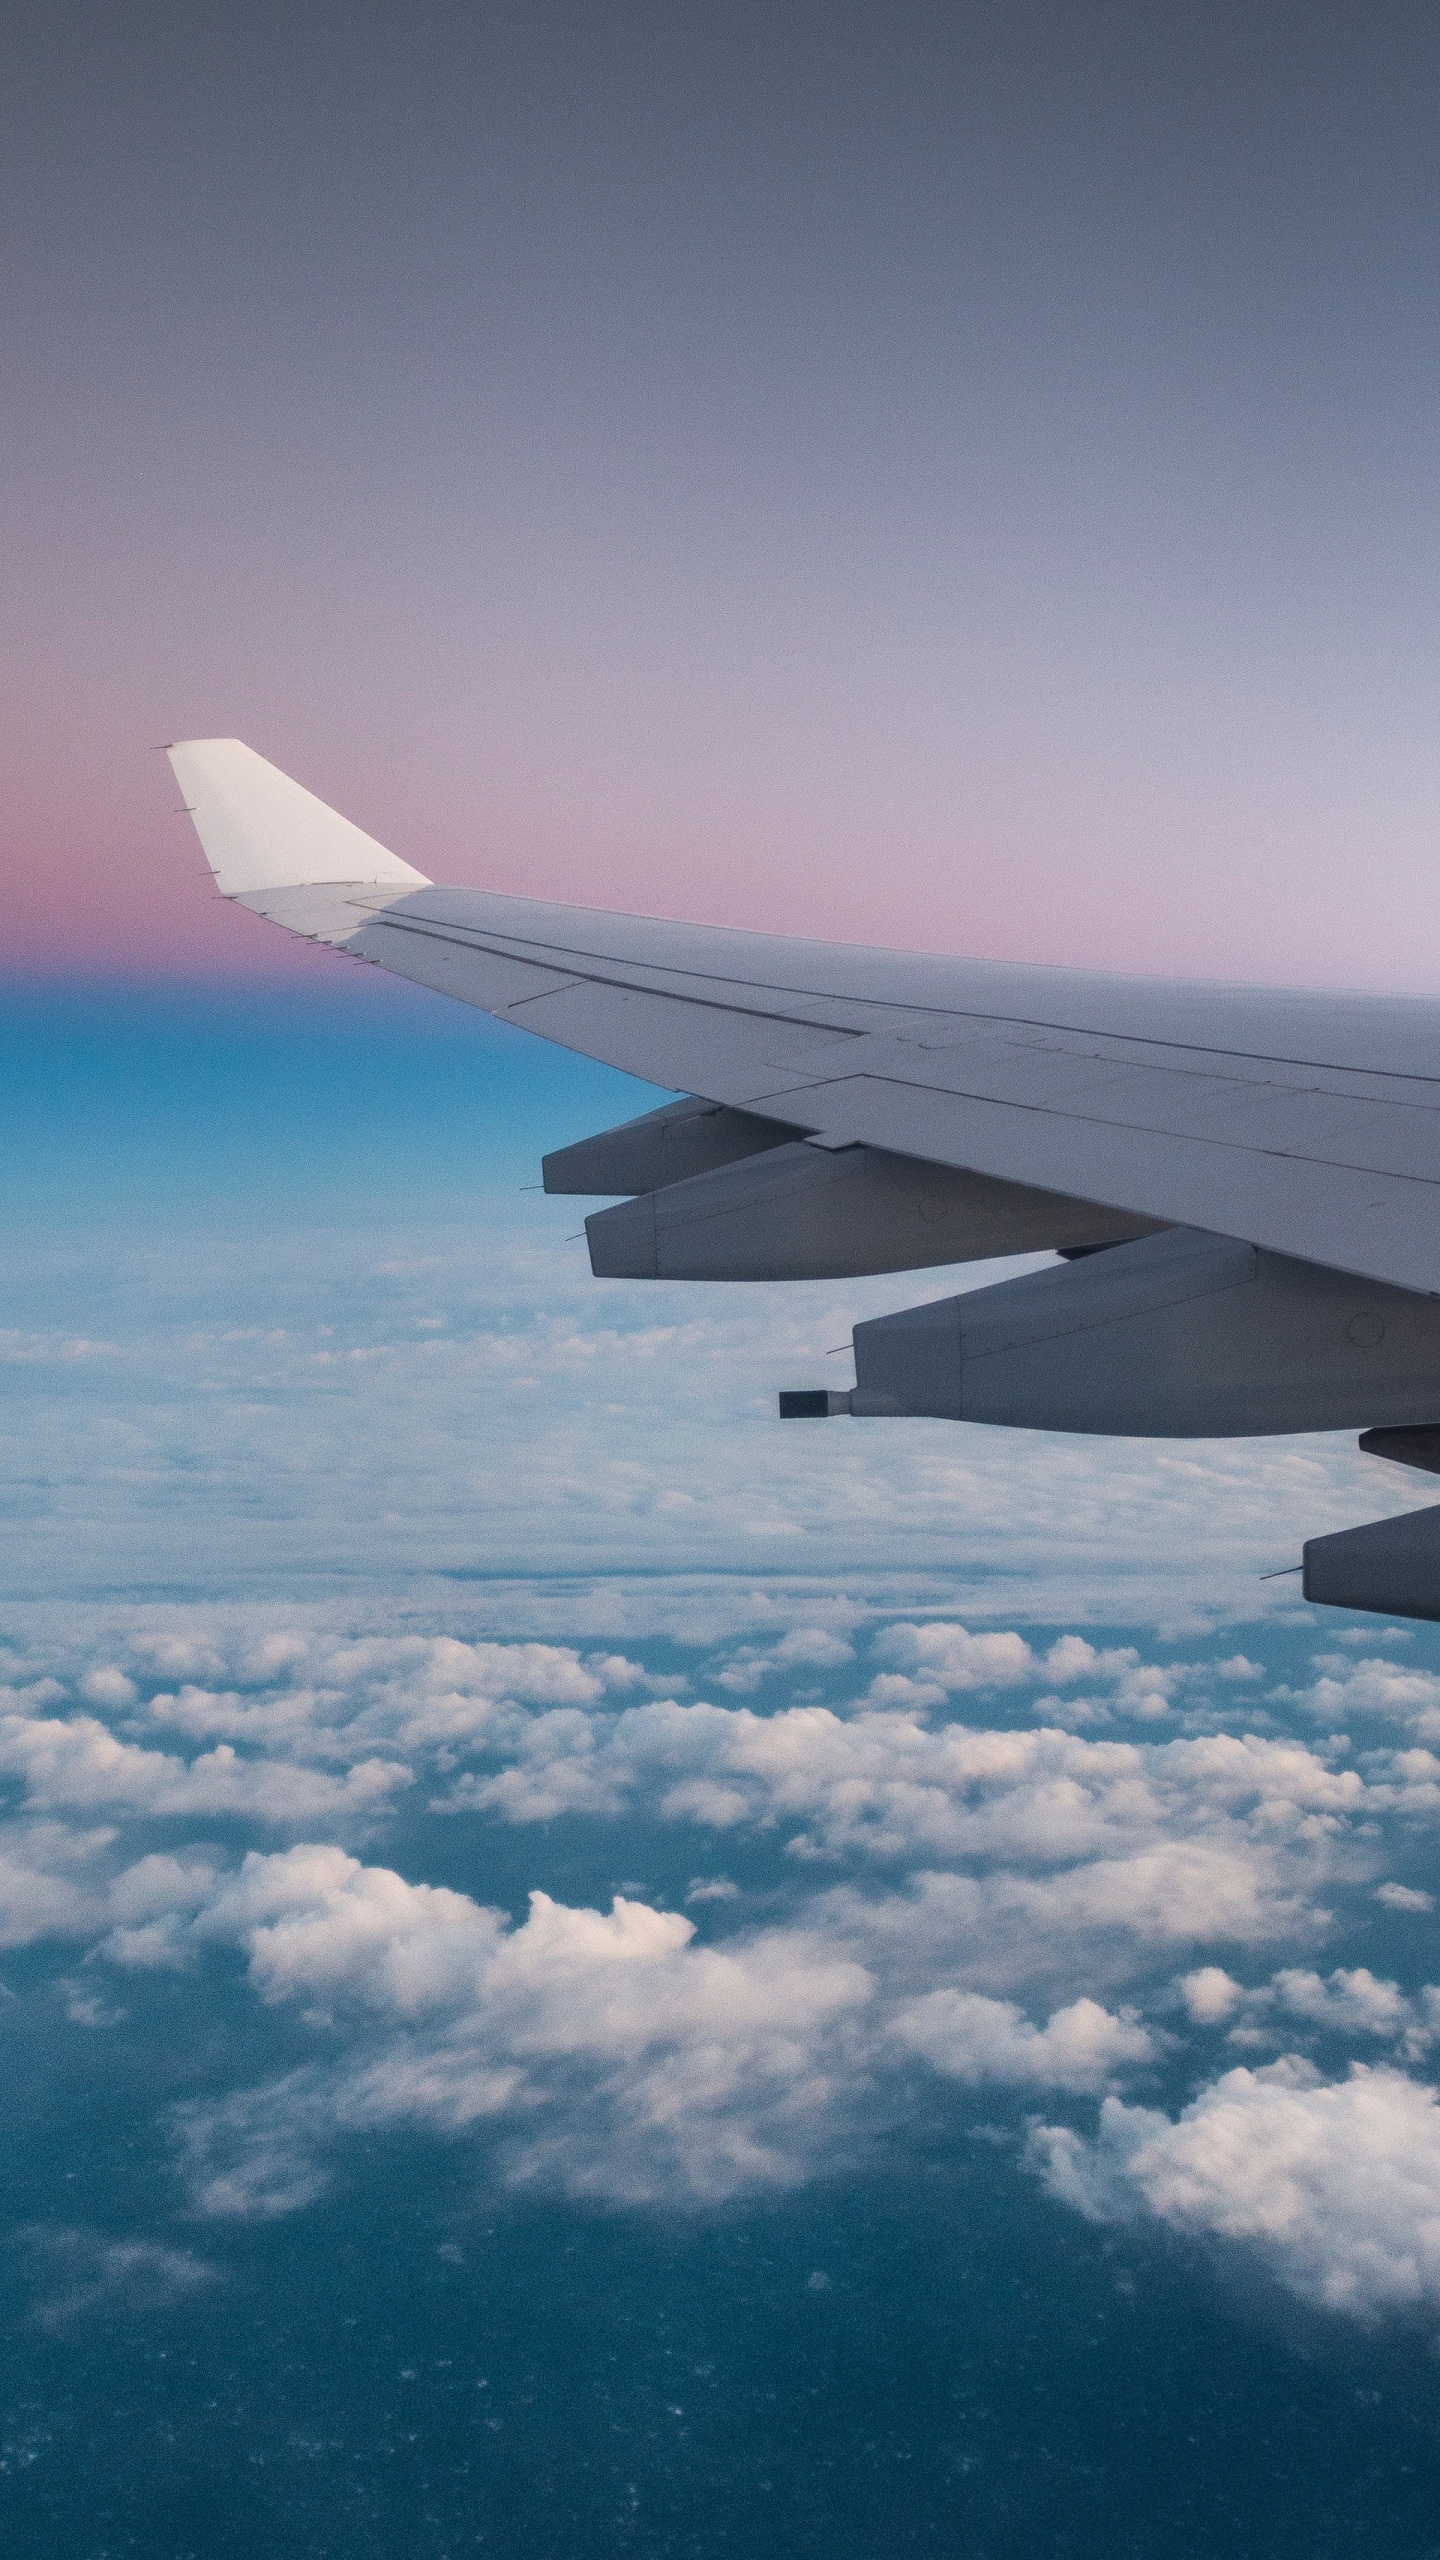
[1307,1124]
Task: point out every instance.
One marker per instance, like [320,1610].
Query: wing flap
[1351,1218]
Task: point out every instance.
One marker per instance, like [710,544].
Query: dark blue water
[928,2361]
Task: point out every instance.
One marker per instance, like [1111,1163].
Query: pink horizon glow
[108,879]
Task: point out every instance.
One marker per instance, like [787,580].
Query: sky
[582,1973]
[952,475]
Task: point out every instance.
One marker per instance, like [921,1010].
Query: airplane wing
[1305,1123]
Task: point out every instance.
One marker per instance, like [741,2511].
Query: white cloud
[1103,1923]
[803,1648]
[108,1686]
[315,1735]
[319,1925]
[178,1653]
[1350,2003]
[85,2273]
[1137,1688]
[928,1663]
[991,2042]
[51,1883]
[1404,1897]
[1210,1994]
[258,2154]
[618,2054]
[429,1697]
[1238,1832]
[1009,1903]
[817,1648]
[952,1659]
[150,1907]
[295,1457]
[75,1764]
[1336,2184]
[1353,2002]
[1374,1687]
[85,2006]
[628,2059]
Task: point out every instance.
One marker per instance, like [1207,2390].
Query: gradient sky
[953,475]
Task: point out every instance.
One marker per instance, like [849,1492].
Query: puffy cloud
[1102,1923]
[804,1648]
[424,1695]
[1042,1864]
[108,1686]
[558,1763]
[51,1883]
[1137,1688]
[1352,2002]
[151,1906]
[997,1901]
[1346,1690]
[950,1659]
[321,1926]
[1404,1897]
[85,2006]
[1337,2184]
[431,1691]
[312,1733]
[815,1648]
[629,2059]
[991,2042]
[1210,1995]
[931,1662]
[75,1764]
[178,1653]
[1238,1831]
[615,2052]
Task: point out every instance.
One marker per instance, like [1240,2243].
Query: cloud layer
[932,1868]
[1337,2184]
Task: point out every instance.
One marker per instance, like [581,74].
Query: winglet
[260,830]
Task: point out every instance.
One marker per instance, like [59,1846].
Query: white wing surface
[1302,1122]
[262,831]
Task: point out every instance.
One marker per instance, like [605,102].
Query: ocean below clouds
[586,1974]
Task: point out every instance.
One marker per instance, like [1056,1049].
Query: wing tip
[259,829]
